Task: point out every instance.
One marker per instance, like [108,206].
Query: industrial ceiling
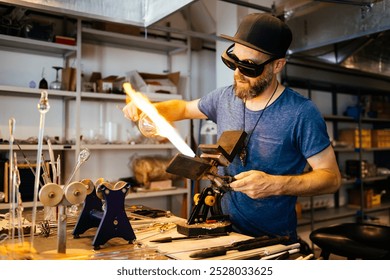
[353,34]
[135,12]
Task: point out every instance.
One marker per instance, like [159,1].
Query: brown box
[65,40]
[105,85]
[154,83]
[380,138]
[110,84]
[376,200]
[352,137]
[354,198]
[117,27]
[382,108]
[68,79]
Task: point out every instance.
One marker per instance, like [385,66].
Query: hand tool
[205,236]
[245,245]
[281,255]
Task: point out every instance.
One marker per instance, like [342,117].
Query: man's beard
[258,87]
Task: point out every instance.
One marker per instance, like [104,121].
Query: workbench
[143,248]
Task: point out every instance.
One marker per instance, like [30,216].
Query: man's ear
[279,64]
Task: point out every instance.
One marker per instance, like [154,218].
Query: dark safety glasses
[246,67]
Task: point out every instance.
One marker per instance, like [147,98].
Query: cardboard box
[380,138]
[111,84]
[154,83]
[105,85]
[65,40]
[376,200]
[354,198]
[117,27]
[69,78]
[352,137]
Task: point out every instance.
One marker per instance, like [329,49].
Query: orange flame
[164,127]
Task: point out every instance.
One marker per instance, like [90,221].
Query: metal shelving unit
[32,46]
[315,216]
[95,36]
[79,98]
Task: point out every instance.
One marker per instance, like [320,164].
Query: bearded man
[285,132]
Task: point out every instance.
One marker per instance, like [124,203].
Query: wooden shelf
[35,92]
[72,116]
[351,119]
[129,41]
[122,97]
[13,43]
[330,214]
[34,147]
[364,150]
[128,146]
[365,180]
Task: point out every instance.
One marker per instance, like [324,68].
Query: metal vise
[206,167]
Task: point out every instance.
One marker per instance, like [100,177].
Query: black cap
[263,32]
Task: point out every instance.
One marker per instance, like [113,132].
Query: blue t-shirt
[290,130]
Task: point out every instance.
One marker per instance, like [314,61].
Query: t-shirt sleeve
[310,130]
[208,104]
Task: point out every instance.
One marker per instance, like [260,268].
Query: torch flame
[164,127]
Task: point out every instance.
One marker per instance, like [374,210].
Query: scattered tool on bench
[244,245]
[204,236]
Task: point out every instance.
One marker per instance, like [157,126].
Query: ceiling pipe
[251,5]
[349,2]
[354,49]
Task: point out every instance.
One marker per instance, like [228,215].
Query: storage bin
[352,137]
[380,138]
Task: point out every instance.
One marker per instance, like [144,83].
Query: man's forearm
[316,182]
[176,110]
[172,110]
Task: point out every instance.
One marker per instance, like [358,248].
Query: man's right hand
[131,111]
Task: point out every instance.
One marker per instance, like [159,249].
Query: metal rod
[249,5]
[46,174]
[19,208]
[59,169]
[349,2]
[61,234]
[12,189]
[43,108]
[52,161]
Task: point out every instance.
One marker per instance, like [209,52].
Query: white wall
[18,69]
